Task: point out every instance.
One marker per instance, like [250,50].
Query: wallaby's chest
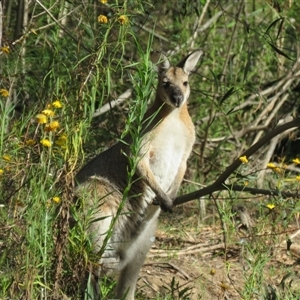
[170,145]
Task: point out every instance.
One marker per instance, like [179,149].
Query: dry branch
[106,107]
[201,29]
[219,184]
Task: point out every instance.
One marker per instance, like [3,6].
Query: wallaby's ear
[189,62]
[160,61]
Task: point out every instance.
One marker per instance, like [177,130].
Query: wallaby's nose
[177,99]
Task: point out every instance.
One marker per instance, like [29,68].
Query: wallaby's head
[173,83]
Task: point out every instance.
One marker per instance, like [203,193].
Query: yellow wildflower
[1,172]
[244,159]
[123,19]
[30,142]
[270,206]
[6,157]
[298,178]
[46,143]
[296,161]
[4,92]
[5,49]
[271,165]
[102,19]
[56,199]
[52,126]
[57,104]
[41,118]
[61,141]
[103,1]
[48,112]
[275,168]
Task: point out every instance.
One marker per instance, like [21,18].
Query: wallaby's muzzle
[176,97]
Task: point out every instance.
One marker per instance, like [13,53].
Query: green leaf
[197,12]
[280,28]
[279,51]
[274,23]
[227,95]
[247,67]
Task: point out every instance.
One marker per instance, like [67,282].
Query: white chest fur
[169,148]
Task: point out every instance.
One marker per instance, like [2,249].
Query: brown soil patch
[196,268]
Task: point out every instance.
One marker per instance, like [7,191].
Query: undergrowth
[61,62]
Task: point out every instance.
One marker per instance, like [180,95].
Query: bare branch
[112,104]
[220,185]
[151,31]
[60,25]
[270,152]
[231,42]
[205,26]
[198,24]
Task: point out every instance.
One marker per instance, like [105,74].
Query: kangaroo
[166,146]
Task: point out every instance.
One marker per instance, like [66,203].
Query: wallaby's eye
[166,84]
[185,83]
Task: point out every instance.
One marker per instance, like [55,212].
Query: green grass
[85,64]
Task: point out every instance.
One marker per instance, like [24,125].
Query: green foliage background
[247,83]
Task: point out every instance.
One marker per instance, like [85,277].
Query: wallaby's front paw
[167,206]
[155,201]
[164,205]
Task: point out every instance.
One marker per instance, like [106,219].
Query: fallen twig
[190,250]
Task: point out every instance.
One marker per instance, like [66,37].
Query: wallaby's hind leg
[102,202]
[129,275]
[137,252]
[127,282]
